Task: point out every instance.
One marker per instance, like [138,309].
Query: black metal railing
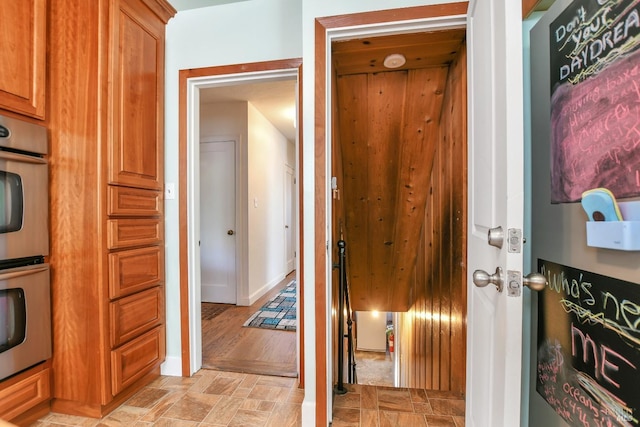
[344,306]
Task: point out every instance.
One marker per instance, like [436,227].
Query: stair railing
[344,301]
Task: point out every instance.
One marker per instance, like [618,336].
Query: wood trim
[320,224]
[528,6]
[394,15]
[183,224]
[322,25]
[184,75]
[300,272]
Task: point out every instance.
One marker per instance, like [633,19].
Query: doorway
[195,82]
[399,158]
[336,29]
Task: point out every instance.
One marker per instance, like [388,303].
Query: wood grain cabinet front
[25,394]
[135,270]
[133,315]
[126,233]
[136,358]
[105,115]
[23,45]
[133,202]
[136,158]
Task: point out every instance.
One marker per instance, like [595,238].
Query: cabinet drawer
[136,358]
[23,72]
[126,201]
[123,233]
[25,394]
[135,270]
[135,314]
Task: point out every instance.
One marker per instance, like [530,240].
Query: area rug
[278,313]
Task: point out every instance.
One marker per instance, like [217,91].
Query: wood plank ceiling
[387,130]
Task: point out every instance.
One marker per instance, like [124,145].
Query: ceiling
[276,100]
[421,50]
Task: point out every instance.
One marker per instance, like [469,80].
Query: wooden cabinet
[23,47]
[25,397]
[137,71]
[105,117]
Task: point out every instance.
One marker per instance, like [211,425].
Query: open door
[494,338]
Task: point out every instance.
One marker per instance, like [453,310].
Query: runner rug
[278,313]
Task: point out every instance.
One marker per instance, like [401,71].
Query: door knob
[535,281]
[230,232]
[481,278]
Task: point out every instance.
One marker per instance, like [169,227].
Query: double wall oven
[25,301]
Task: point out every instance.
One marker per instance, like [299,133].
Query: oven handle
[14,274]
[9,155]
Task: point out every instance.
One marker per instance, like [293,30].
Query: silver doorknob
[495,237]
[230,232]
[535,281]
[481,278]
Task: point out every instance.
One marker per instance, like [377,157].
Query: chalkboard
[595,99]
[588,349]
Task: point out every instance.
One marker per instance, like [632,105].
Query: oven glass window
[13,318]
[11,202]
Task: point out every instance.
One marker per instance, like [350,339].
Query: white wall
[266,164]
[250,31]
[371,331]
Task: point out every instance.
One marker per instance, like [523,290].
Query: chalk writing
[595,99]
[588,342]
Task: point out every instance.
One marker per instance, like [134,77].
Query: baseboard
[260,292]
[172,366]
[308,413]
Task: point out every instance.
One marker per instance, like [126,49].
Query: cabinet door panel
[127,201]
[135,270]
[136,150]
[136,358]
[23,47]
[135,314]
[123,233]
[25,394]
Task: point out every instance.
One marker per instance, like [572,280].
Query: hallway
[228,346]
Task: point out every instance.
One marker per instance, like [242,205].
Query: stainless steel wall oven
[25,301]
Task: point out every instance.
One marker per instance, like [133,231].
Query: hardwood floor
[228,346]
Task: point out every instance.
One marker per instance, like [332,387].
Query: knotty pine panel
[433,332]
[352,136]
[388,125]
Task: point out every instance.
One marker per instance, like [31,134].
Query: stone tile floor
[208,398]
[214,398]
[380,406]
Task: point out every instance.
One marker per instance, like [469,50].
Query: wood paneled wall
[432,333]
[388,129]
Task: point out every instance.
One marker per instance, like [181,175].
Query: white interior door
[494,339]
[217,222]
[289,221]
